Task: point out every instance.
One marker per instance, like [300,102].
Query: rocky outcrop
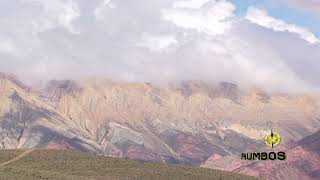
[228,90]
[55,90]
[4,77]
[28,122]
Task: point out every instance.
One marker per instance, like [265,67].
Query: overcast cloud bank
[158,41]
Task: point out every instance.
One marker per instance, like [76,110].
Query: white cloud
[261,17]
[259,64]
[212,17]
[191,4]
[56,13]
[7,46]
[158,43]
[104,6]
[151,40]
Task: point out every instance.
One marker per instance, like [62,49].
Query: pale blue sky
[282,11]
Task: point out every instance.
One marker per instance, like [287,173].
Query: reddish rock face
[194,149]
[138,152]
[215,157]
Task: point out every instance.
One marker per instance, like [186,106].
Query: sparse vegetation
[65,165]
[6,155]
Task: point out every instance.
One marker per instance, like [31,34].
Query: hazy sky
[270,44]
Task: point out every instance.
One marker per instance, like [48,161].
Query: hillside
[179,123]
[66,165]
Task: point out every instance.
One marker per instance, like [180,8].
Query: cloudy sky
[271,44]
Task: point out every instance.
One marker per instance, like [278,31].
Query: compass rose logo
[273,139]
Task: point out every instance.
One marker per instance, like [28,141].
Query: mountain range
[189,122]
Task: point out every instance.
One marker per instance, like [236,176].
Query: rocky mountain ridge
[189,123]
